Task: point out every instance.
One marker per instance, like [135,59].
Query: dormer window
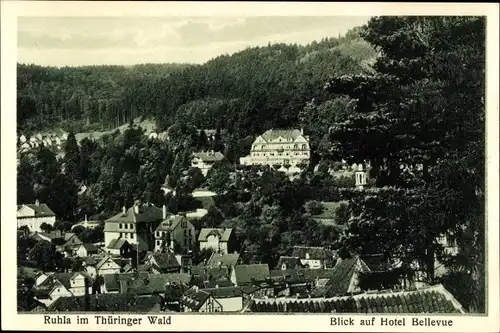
[283,267]
[307,256]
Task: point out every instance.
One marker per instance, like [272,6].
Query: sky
[78,41]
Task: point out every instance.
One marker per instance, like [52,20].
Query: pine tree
[72,158]
[419,122]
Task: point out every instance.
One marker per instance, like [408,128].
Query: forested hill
[271,83]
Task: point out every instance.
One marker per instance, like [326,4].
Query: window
[304,147]
[121,226]
[121,234]
[131,236]
[184,224]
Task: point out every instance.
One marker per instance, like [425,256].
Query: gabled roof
[209,156]
[290,262]
[104,260]
[315,253]
[171,223]
[228,259]
[89,247]
[41,210]
[246,274]
[342,275]
[146,214]
[166,260]
[290,134]
[68,235]
[223,234]
[194,298]
[106,302]
[47,285]
[64,278]
[434,299]
[117,244]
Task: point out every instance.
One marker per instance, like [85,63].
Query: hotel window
[121,226]
[126,235]
[304,147]
[121,234]
[131,236]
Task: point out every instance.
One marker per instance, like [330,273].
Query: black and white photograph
[268,164]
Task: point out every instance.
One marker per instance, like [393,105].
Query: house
[433,299]
[314,257]
[116,282]
[119,247]
[70,239]
[55,235]
[79,281]
[34,215]
[285,263]
[286,150]
[217,239]
[344,278]
[203,274]
[107,303]
[136,225]
[223,259]
[155,283]
[186,261]
[107,265]
[175,232]
[40,277]
[86,250]
[243,275]
[226,299]
[165,262]
[205,160]
[54,286]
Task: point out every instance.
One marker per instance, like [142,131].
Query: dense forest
[416,114]
[270,83]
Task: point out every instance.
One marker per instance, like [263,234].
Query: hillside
[270,83]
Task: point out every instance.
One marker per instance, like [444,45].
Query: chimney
[136,208]
[124,210]
[164,211]
[301,131]
[37,203]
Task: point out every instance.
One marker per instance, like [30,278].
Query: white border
[10,10]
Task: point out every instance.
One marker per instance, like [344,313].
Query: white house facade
[286,150]
[34,215]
